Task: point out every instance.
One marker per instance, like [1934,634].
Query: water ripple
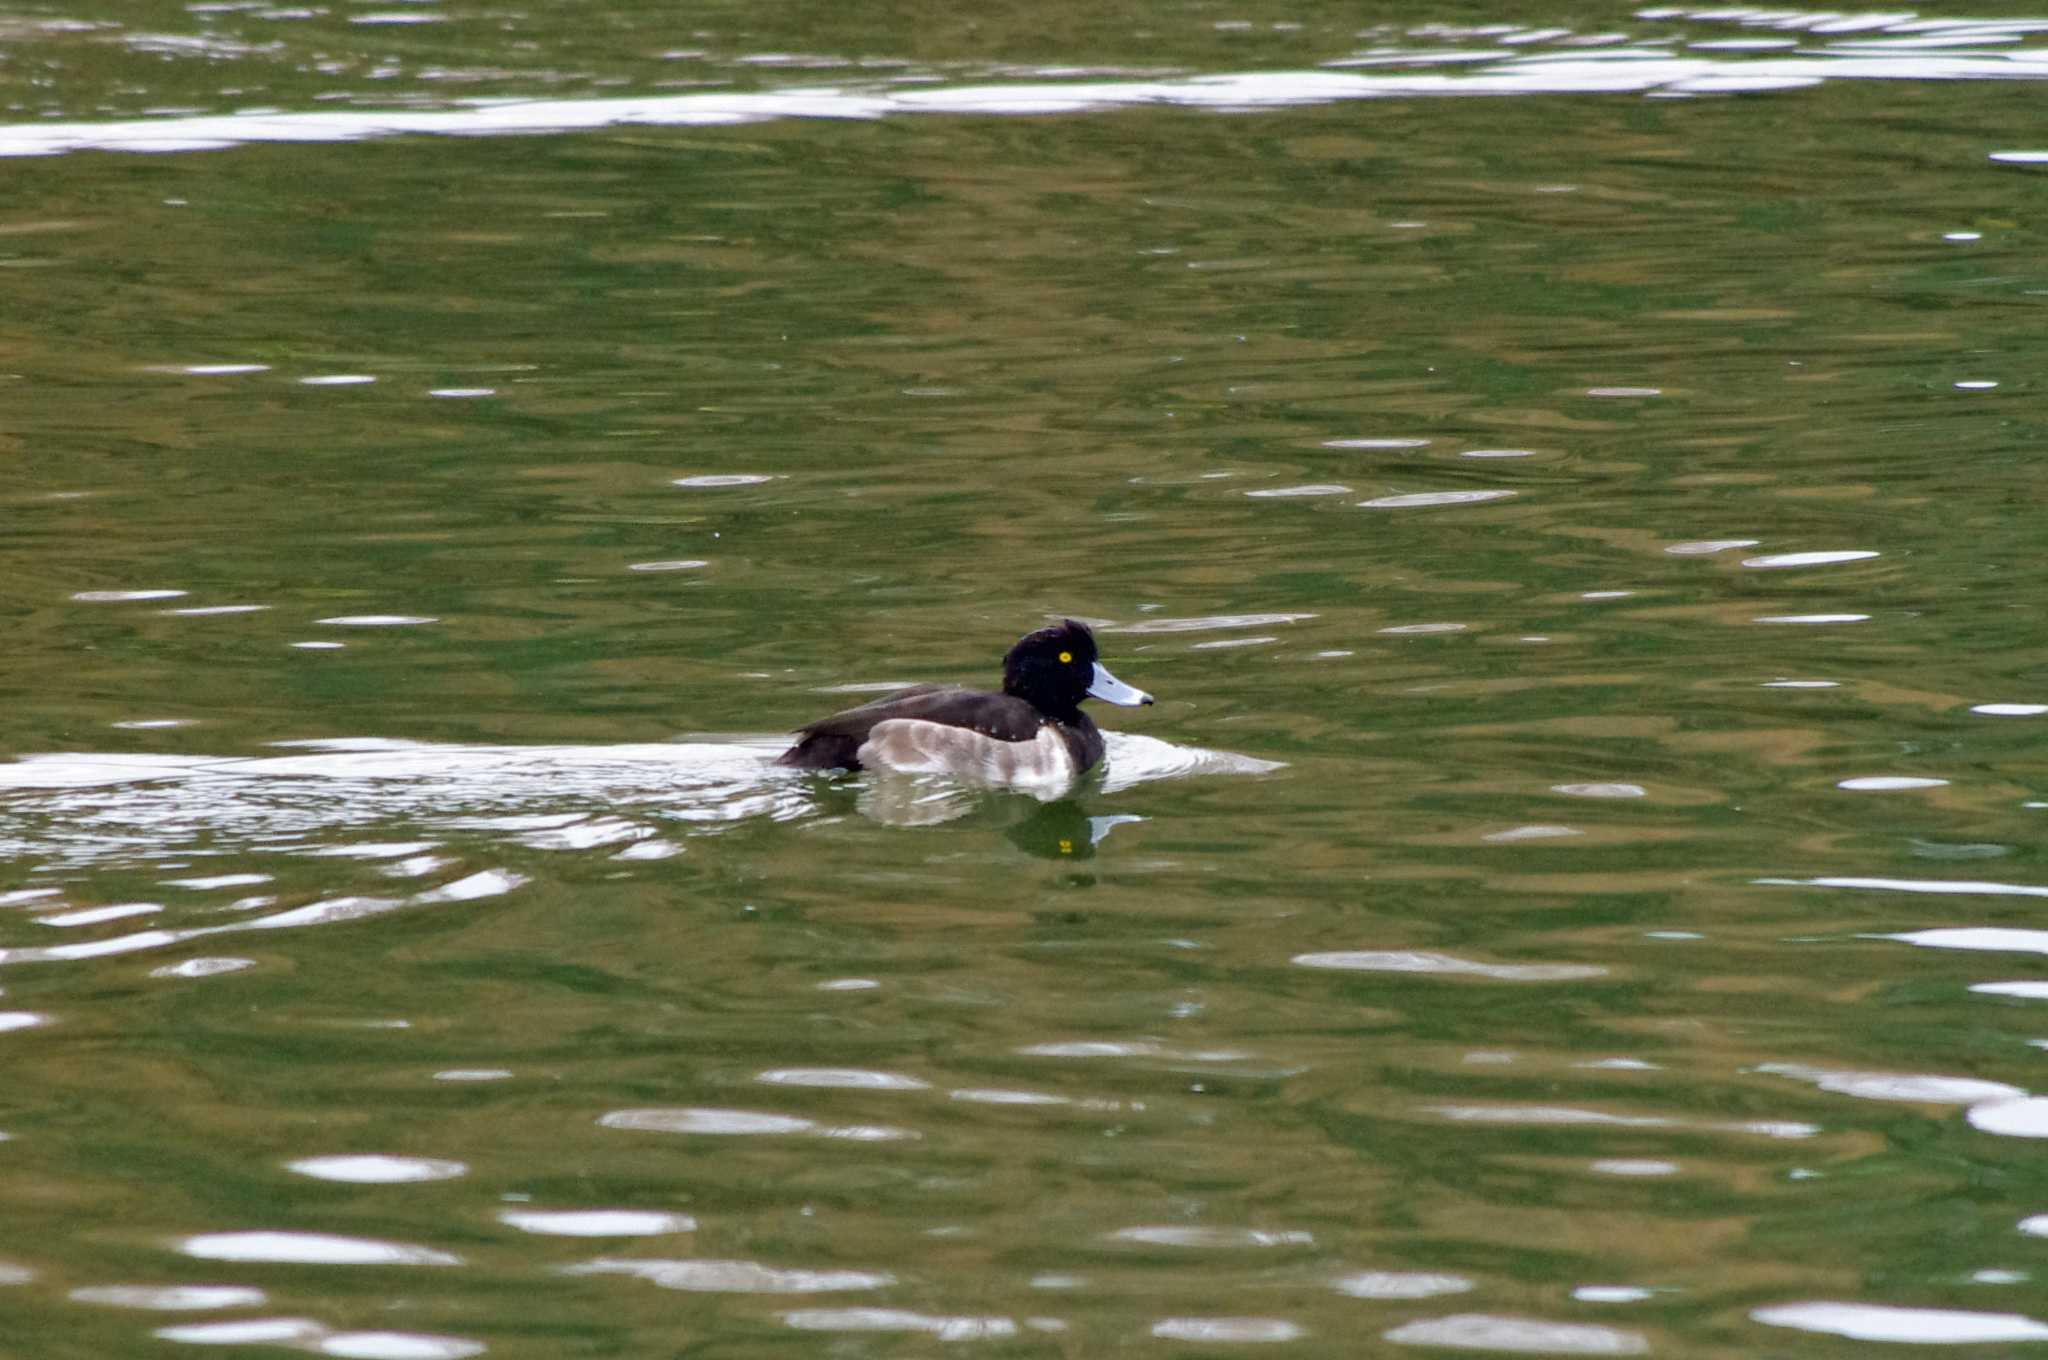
[89,808]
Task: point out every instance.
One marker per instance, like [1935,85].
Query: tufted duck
[1034,732]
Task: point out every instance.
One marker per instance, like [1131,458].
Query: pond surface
[1580,890]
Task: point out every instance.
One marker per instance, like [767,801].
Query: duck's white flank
[913,746]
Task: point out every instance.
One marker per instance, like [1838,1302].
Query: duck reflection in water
[1059,829]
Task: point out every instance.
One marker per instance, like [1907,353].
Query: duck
[1032,734]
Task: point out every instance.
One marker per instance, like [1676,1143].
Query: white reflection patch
[1410,961]
[252,1332]
[898,1320]
[699,1120]
[1963,886]
[398,1346]
[170,1298]
[842,1077]
[1207,623]
[1633,1166]
[1996,939]
[2033,991]
[597,1222]
[92,916]
[735,1277]
[1536,1336]
[202,967]
[1290,492]
[1779,561]
[989,1096]
[1094,1048]
[1887,783]
[1601,790]
[377,620]
[2026,1117]
[1707,547]
[319,1249]
[1424,499]
[1549,1114]
[372,1169]
[1179,1235]
[1897,1086]
[1610,1293]
[1395,1284]
[1924,1326]
[218,881]
[1227,1330]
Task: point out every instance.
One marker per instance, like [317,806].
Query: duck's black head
[1055,668]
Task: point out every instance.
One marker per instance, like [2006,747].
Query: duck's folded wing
[831,742]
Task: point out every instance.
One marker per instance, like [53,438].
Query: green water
[1587,549]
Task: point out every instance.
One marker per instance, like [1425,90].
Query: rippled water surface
[1579,892]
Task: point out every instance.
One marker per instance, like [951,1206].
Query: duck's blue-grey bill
[1111,690]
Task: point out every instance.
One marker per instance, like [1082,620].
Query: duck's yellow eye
[1065,657]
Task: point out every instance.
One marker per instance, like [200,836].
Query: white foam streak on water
[1612,70]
